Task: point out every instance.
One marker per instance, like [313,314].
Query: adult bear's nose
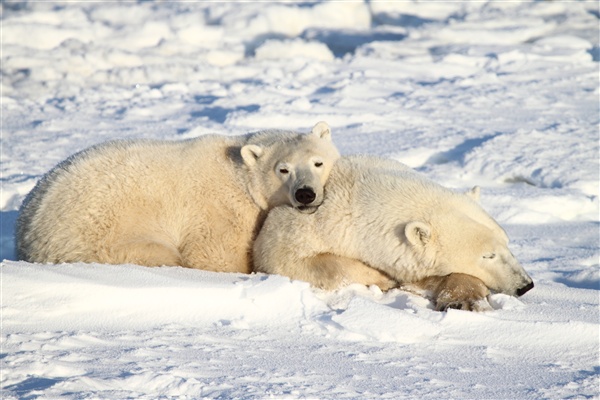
[305,195]
[525,289]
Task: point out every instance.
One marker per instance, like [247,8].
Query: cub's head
[464,238]
[290,168]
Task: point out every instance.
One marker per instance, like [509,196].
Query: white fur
[196,203]
[381,214]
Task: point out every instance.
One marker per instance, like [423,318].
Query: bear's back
[405,193]
[369,185]
[85,196]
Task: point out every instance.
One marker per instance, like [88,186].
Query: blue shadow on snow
[219,114]
[591,283]
[342,42]
[7,234]
[22,388]
[459,152]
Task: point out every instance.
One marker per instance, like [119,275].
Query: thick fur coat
[383,223]
[197,203]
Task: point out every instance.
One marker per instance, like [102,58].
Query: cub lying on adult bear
[382,223]
[195,203]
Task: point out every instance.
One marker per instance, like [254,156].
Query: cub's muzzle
[305,195]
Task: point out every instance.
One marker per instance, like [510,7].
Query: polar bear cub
[197,203]
[383,223]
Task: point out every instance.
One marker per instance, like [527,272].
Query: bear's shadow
[7,234]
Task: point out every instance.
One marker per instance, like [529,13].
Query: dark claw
[455,305]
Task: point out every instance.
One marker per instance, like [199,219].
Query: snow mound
[276,50]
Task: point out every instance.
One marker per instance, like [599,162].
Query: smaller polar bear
[197,203]
[382,223]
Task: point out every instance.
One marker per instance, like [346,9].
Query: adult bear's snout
[305,195]
[525,289]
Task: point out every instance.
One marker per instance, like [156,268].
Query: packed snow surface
[498,94]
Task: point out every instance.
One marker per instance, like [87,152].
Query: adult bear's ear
[251,153]
[418,233]
[322,130]
[474,193]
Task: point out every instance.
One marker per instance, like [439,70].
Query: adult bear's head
[460,237]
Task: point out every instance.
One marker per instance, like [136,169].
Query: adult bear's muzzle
[521,291]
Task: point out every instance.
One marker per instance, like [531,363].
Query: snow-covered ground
[504,95]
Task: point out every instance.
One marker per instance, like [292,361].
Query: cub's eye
[489,256]
[318,164]
[283,171]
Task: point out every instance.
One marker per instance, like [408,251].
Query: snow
[504,95]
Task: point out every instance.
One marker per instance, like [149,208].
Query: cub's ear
[250,153]
[474,193]
[322,130]
[418,233]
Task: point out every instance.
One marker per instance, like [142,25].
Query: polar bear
[196,203]
[384,224]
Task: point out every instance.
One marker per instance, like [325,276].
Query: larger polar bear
[197,203]
[382,223]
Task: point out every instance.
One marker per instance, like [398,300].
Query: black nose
[305,195]
[524,289]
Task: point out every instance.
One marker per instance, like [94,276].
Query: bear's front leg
[355,271]
[453,291]
[331,272]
